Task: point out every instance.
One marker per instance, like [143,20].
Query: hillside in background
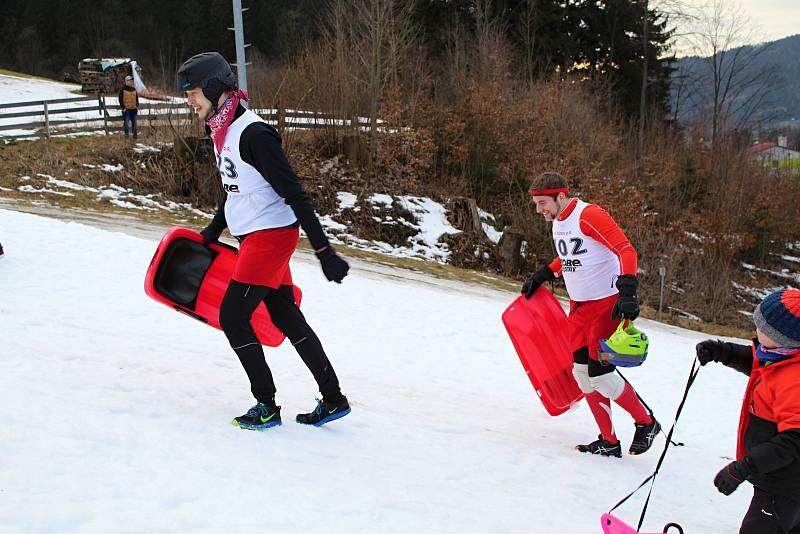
[779,108]
[721,252]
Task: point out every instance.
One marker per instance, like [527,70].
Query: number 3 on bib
[227,169]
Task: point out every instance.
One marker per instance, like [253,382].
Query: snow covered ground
[23,89]
[116,410]
[430,218]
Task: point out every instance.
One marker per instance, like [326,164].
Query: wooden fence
[46,121]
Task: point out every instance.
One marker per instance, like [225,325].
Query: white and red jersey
[592,251]
[251,201]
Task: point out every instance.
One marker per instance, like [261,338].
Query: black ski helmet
[208,71]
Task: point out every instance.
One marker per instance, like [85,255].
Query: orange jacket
[769,425]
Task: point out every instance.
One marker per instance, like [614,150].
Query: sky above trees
[775,19]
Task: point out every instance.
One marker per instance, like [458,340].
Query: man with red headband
[598,265]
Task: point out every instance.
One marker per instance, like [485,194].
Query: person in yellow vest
[129,103]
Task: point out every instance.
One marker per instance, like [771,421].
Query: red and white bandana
[220,120]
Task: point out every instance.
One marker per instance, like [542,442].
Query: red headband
[535,192]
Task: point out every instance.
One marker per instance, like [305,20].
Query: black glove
[334,267]
[626,308]
[710,350]
[210,234]
[733,474]
[544,274]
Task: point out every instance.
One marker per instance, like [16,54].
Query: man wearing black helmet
[264,206]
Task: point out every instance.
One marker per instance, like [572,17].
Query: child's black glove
[710,351]
[732,475]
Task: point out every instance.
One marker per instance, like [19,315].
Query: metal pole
[238,29]
[662,273]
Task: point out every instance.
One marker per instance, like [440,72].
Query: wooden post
[102,107]
[46,120]
[281,120]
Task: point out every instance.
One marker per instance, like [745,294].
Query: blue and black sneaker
[259,417]
[325,412]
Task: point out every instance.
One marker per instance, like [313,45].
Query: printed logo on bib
[572,247]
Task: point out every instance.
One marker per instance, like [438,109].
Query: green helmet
[627,347]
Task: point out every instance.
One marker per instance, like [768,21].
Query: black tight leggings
[238,305]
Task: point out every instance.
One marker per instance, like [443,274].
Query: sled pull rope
[652,478]
[647,407]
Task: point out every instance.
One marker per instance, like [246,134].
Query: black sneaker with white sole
[602,447]
[644,437]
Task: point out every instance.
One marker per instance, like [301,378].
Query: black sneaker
[325,412]
[602,447]
[644,436]
[259,417]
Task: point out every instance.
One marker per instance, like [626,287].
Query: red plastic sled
[613,525]
[192,278]
[539,330]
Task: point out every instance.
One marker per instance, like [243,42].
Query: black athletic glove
[626,308]
[710,350]
[334,267]
[534,281]
[210,234]
[733,474]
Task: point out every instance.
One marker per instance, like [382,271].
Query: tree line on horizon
[609,40]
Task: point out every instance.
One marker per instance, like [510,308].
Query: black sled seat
[193,279]
[181,271]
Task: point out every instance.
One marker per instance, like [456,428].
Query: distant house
[776,156]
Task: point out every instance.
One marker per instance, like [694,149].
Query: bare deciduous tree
[731,81]
[379,34]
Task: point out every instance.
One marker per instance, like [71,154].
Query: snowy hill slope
[116,410]
[24,89]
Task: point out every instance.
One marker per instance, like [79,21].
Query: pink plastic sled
[539,330]
[612,525]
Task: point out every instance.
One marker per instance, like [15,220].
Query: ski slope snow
[116,411]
